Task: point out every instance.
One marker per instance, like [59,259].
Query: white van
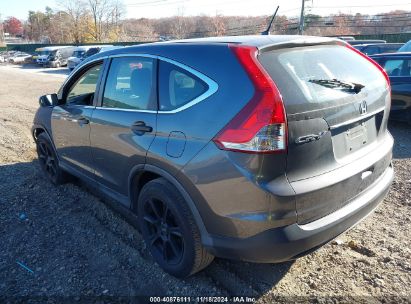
[79,55]
[45,52]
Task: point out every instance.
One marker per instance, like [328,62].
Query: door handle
[82,121]
[140,127]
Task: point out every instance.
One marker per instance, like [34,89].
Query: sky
[168,8]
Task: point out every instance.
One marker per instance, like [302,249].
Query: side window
[398,67]
[82,92]
[130,84]
[177,86]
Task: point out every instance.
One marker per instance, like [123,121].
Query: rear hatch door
[337,105]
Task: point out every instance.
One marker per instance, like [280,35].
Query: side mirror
[50,100]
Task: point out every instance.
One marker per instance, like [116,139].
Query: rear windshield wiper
[338,84]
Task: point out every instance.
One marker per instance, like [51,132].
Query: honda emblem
[363,107]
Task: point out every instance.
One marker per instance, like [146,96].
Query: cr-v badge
[363,107]
[311,137]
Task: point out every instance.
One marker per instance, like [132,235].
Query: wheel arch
[141,174]
[37,129]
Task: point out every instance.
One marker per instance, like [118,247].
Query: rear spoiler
[309,41]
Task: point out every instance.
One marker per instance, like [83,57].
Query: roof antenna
[267,31]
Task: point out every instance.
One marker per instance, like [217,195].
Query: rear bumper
[289,242]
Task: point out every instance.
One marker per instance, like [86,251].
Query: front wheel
[169,230]
[48,160]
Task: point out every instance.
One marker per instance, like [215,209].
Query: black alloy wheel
[165,237]
[169,229]
[48,160]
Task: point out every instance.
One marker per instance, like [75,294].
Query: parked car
[366,41]
[8,54]
[398,68]
[44,53]
[58,58]
[79,55]
[258,148]
[37,53]
[20,58]
[378,48]
[95,50]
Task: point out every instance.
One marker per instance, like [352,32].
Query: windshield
[79,54]
[45,53]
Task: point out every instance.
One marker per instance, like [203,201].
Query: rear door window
[130,84]
[177,87]
[398,67]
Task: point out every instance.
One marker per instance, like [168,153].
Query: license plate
[356,137]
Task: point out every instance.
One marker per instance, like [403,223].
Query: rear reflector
[260,127]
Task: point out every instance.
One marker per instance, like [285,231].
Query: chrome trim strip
[357,118]
[127,110]
[212,85]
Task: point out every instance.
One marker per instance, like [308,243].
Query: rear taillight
[260,127]
[373,62]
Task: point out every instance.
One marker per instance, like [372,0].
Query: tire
[169,230]
[48,160]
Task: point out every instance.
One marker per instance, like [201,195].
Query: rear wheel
[48,160]
[169,230]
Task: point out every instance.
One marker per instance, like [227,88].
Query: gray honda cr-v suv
[258,148]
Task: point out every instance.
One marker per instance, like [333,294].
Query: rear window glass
[178,87]
[299,73]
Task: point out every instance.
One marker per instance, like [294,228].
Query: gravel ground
[76,248]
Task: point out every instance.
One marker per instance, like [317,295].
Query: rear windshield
[319,74]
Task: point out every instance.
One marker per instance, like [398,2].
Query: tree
[218,25]
[13,26]
[1,32]
[138,30]
[105,16]
[77,13]
[179,26]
